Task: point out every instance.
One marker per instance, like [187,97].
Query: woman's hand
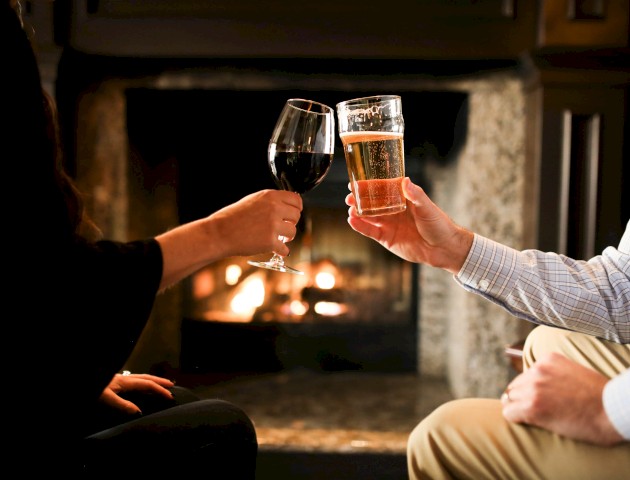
[251,226]
[142,382]
[256,223]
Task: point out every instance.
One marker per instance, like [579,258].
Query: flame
[250,296]
[325,280]
[245,294]
[233,274]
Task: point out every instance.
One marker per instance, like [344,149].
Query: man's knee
[607,357]
[425,446]
[452,439]
[542,340]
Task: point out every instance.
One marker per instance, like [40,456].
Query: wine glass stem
[276,260]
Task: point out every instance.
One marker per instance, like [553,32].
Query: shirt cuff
[616,398]
[489,268]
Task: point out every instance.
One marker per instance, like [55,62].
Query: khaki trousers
[470,439]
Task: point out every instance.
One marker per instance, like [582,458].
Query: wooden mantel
[352,29]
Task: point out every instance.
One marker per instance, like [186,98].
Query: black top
[72,309]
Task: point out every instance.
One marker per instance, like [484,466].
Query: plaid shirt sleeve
[591,297]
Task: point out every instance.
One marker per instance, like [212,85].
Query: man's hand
[423,233]
[141,382]
[561,396]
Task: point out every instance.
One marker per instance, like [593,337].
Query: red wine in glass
[298,171]
[300,154]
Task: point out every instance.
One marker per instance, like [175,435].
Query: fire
[233,274]
[330,309]
[325,280]
[298,308]
[249,296]
[246,295]
[203,285]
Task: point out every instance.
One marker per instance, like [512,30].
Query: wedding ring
[125,373]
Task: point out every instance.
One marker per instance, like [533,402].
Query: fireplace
[356,307]
[146,166]
[526,74]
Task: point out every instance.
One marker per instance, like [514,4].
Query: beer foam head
[379,113]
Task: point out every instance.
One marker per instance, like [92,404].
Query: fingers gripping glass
[300,154]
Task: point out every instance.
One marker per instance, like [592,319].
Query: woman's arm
[250,226]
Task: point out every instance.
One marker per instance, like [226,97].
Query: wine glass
[300,154]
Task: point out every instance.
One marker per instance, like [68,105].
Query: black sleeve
[77,312]
[106,299]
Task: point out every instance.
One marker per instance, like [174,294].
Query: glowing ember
[330,309]
[298,308]
[203,284]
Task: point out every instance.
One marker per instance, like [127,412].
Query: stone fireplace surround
[461,337]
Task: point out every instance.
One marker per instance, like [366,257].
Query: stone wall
[463,336]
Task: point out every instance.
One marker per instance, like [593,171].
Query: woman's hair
[77,218]
[41,146]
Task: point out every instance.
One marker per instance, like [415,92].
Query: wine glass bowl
[300,154]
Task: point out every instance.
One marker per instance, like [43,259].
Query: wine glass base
[278,267]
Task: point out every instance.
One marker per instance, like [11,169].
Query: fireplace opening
[356,308]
